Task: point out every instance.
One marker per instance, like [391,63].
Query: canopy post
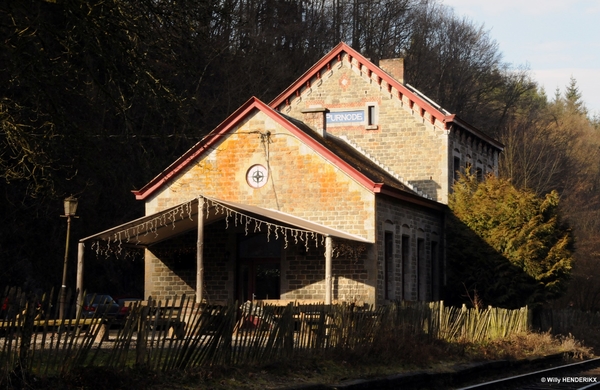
[328,279]
[80,251]
[199,252]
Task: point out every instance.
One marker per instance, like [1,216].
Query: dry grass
[588,335]
[389,354]
[525,346]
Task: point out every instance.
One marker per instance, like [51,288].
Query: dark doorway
[259,268]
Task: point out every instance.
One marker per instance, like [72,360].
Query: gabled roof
[346,159]
[395,87]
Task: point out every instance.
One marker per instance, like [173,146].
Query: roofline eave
[473,130]
[383,189]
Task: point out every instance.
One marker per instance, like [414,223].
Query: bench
[167,318]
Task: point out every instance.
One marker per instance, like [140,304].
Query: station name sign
[345,116]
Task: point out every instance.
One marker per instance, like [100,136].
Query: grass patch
[526,346]
[389,354]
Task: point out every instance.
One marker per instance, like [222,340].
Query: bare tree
[380,27]
[457,64]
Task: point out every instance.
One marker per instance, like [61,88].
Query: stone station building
[334,192]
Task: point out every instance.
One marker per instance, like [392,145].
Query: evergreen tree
[557,96]
[507,245]
[573,97]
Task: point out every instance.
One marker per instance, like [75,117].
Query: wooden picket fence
[178,334]
[566,321]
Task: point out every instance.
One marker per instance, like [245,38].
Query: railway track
[580,375]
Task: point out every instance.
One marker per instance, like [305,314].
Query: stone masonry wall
[471,152]
[402,137]
[416,223]
[219,263]
[300,181]
[410,146]
[303,273]
[171,266]
[163,283]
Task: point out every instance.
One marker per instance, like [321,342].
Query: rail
[580,375]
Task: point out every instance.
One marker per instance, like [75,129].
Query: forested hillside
[98,97]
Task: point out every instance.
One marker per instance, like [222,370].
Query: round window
[257,176]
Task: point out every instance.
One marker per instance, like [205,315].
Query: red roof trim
[214,136]
[189,156]
[336,54]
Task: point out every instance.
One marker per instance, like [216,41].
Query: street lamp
[70,204]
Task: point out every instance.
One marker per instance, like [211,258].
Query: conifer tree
[573,97]
[508,246]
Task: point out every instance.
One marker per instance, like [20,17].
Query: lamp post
[70,204]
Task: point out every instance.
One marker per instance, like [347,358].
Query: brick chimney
[394,67]
[315,117]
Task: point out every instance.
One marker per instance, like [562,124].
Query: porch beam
[328,279]
[199,252]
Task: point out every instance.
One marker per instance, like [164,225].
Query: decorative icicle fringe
[285,232]
[114,244]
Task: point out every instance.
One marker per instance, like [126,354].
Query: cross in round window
[257,176]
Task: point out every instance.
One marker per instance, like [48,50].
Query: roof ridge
[385,168]
[396,88]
